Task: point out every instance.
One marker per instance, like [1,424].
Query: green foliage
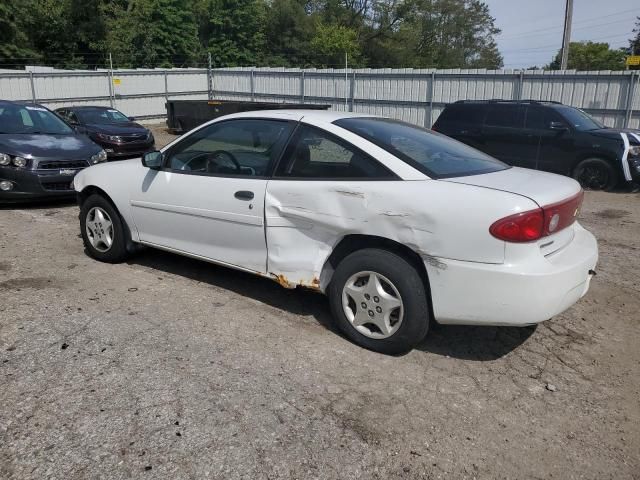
[288,31]
[590,56]
[452,34]
[153,33]
[634,43]
[13,39]
[301,33]
[330,43]
[233,30]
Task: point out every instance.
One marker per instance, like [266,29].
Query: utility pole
[566,36]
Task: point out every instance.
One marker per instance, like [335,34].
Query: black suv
[547,136]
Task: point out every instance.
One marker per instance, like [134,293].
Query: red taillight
[521,227]
[535,224]
[562,214]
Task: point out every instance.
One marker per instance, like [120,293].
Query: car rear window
[433,154]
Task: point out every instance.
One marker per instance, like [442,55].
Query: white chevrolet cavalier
[398,225]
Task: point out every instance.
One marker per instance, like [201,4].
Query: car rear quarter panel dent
[307,219]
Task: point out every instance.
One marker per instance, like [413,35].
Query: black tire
[596,174]
[408,283]
[117,252]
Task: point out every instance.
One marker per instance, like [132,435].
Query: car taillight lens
[521,227]
[562,214]
[535,224]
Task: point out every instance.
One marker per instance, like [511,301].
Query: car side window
[72,118]
[243,147]
[461,113]
[501,115]
[540,118]
[317,154]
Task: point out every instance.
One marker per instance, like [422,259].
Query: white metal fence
[416,96]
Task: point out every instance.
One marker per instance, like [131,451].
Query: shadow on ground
[43,204]
[463,342]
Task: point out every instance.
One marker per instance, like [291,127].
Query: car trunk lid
[541,187]
[553,193]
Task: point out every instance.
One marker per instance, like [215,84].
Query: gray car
[39,153]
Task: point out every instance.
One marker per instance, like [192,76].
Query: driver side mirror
[152,160]
[131,119]
[558,126]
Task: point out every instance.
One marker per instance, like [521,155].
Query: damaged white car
[398,225]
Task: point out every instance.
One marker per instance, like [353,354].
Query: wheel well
[610,159]
[91,190]
[355,242]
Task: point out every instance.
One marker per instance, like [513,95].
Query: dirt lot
[166,367]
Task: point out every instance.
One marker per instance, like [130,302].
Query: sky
[532,29]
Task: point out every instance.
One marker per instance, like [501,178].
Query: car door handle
[244,195]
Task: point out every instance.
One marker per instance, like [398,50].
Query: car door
[316,195]
[208,199]
[503,133]
[551,138]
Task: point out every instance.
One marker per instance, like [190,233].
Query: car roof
[86,107]
[20,102]
[509,102]
[297,114]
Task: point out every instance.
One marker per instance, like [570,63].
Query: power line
[558,28]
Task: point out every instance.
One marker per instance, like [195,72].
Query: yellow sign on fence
[633,60]
[116,81]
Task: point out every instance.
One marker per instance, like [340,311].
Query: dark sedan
[39,153]
[118,134]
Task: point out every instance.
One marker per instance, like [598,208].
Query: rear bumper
[513,294]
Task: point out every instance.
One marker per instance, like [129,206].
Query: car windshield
[101,115]
[578,119]
[30,119]
[432,153]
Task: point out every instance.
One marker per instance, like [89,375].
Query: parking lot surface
[167,367]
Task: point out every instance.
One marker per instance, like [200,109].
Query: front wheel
[102,230]
[596,174]
[379,301]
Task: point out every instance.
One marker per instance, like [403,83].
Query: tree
[634,43]
[590,56]
[450,34]
[288,31]
[66,33]
[331,42]
[14,45]
[153,33]
[233,31]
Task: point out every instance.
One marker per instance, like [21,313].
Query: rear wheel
[102,230]
[596,174]
[379,301]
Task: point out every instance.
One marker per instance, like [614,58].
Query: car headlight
[634,151]
[108,138]
[4,159]
[20,162]
[101,156]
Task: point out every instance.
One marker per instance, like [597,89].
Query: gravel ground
[166,367]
